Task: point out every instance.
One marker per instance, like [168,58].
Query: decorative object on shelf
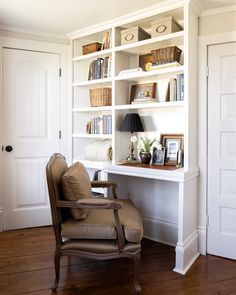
[100,68]
[180,158]
[100,96]
[166,55]
[173,143]
[158,155]
[146,61]
[142,93]
[92,47]
[134,34]
[165,26]
[163,90]
[98,150]
[132,123]
[145,149]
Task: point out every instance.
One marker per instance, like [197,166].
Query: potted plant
[145,149]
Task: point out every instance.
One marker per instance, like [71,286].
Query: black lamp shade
[132,123]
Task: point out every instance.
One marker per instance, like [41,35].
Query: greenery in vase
[146,144]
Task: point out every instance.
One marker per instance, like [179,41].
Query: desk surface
[167,173]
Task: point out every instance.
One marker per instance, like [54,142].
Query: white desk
[187,245]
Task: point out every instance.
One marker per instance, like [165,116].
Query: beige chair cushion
[100,224]
[76,185]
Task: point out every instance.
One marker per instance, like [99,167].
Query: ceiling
[64,16]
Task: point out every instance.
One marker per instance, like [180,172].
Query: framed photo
[142,92]
[158,156]
[172,143]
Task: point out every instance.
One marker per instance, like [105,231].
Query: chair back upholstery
[55,169]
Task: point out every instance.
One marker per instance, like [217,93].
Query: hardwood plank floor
[26,267]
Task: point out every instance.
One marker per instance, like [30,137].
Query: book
[144,100]
[172,95]
[163,66]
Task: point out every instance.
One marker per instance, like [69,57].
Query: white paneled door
[31,127]
[222,150]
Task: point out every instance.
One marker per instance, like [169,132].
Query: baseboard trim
[160,230]
[187,253]
[202,232]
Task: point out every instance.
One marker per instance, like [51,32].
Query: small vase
[145,157]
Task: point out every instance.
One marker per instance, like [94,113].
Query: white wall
[214,27]
[217,23]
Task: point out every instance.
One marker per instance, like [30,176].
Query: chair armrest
[99,203]
[90,203]
[106,184]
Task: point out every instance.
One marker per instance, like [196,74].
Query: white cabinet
[157,117]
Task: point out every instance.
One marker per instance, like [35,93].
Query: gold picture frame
[142,91]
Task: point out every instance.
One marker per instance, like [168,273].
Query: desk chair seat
[106,228]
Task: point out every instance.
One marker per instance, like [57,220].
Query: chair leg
[136,273]
[57,258]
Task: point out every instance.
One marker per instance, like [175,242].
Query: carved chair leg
[57,258]
[136,273]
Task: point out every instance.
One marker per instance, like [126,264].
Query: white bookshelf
[158,118]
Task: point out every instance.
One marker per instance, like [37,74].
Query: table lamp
[132,123]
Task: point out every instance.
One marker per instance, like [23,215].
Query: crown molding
[130,17]
[33,32]
[219,10]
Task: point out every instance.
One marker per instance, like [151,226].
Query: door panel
[31,125]
[222,150]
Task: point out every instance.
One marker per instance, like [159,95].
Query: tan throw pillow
[76,185]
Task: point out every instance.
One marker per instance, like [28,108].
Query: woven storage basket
[166,55]
[93,47]
[100,97]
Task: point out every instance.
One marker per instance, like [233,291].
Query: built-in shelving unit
[161,117]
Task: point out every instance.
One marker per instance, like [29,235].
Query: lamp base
[131,158]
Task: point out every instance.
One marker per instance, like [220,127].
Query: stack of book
[144,100]
[100,125]
[177,88]
[106,42]
[100,68]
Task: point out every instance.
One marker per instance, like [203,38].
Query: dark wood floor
[26,267]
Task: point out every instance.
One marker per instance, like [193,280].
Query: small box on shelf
[134,34]
[165,26]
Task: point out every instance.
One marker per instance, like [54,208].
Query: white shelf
[85,135]
[168,104]
[92,55]
[145,46]
[91,164]
[92,82]
[147,75]
[92,109]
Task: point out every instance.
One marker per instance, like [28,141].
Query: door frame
[63,50]
[204,43]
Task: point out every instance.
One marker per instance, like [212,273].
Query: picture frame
[143,92]
[172,143]
[158,156]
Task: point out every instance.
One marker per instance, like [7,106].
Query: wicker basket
[93,47]
[100,97]
[166,55]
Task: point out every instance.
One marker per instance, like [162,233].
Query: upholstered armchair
[87,226]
